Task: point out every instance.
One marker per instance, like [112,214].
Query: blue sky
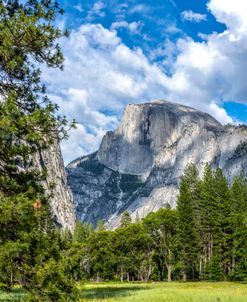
[192,52]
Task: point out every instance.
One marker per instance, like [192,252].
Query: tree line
[204,238]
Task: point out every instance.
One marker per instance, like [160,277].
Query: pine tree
[223,232]
[187,227]
[215,228]
[90,229]
[239,225]
[80,232]
[27,118]
[100,226]
[209,220]
[125,219]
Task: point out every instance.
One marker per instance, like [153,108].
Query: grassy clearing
[153,292]
[165,292]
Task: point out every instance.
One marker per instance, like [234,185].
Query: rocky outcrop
[61,198]
[138,166]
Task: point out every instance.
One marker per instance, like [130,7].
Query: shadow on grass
[110,292]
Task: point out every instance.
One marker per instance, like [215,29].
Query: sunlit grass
[165,292]
[152,292]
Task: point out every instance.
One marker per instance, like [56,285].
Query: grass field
[166,292]
[154,292]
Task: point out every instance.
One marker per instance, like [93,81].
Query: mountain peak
[145,129]
[176,108]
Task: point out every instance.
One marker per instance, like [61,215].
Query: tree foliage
[30,247]
[204,238]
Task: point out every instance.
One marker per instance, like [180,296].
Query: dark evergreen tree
[209,221]
[223,231]
[239,225]
[102,255]
[80,232]
[187,228]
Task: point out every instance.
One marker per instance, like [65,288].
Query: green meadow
[166,292]
[153,292]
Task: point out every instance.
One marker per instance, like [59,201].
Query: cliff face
[138,166]
[61,196]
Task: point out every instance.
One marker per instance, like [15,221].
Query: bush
[53,283]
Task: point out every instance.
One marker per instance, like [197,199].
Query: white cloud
[139,8]
[102,75]
[96,11]
[80,142]
[172,28]
[189,15]
[120,10]
[219,113]
[98,7]
[214,69]
[133,27]
[231,13]
[79,7]
[165,55]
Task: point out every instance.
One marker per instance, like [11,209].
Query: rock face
[138,166]
[61,196]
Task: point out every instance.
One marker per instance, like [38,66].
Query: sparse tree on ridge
[125,219]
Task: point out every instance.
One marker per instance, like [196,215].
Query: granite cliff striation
[138,166]
[60,195]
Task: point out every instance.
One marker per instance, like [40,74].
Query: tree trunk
[11,277]
[210,247]
[149,272]
[169,266]
[122,274]
[97,277]
[128,277]
[184,276]
[200,268]
[169,272]
[233,262]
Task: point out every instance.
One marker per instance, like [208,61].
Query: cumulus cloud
[101,75]
[210,68]
[231,13]
[189,15]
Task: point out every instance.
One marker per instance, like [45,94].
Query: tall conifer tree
[187,229]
